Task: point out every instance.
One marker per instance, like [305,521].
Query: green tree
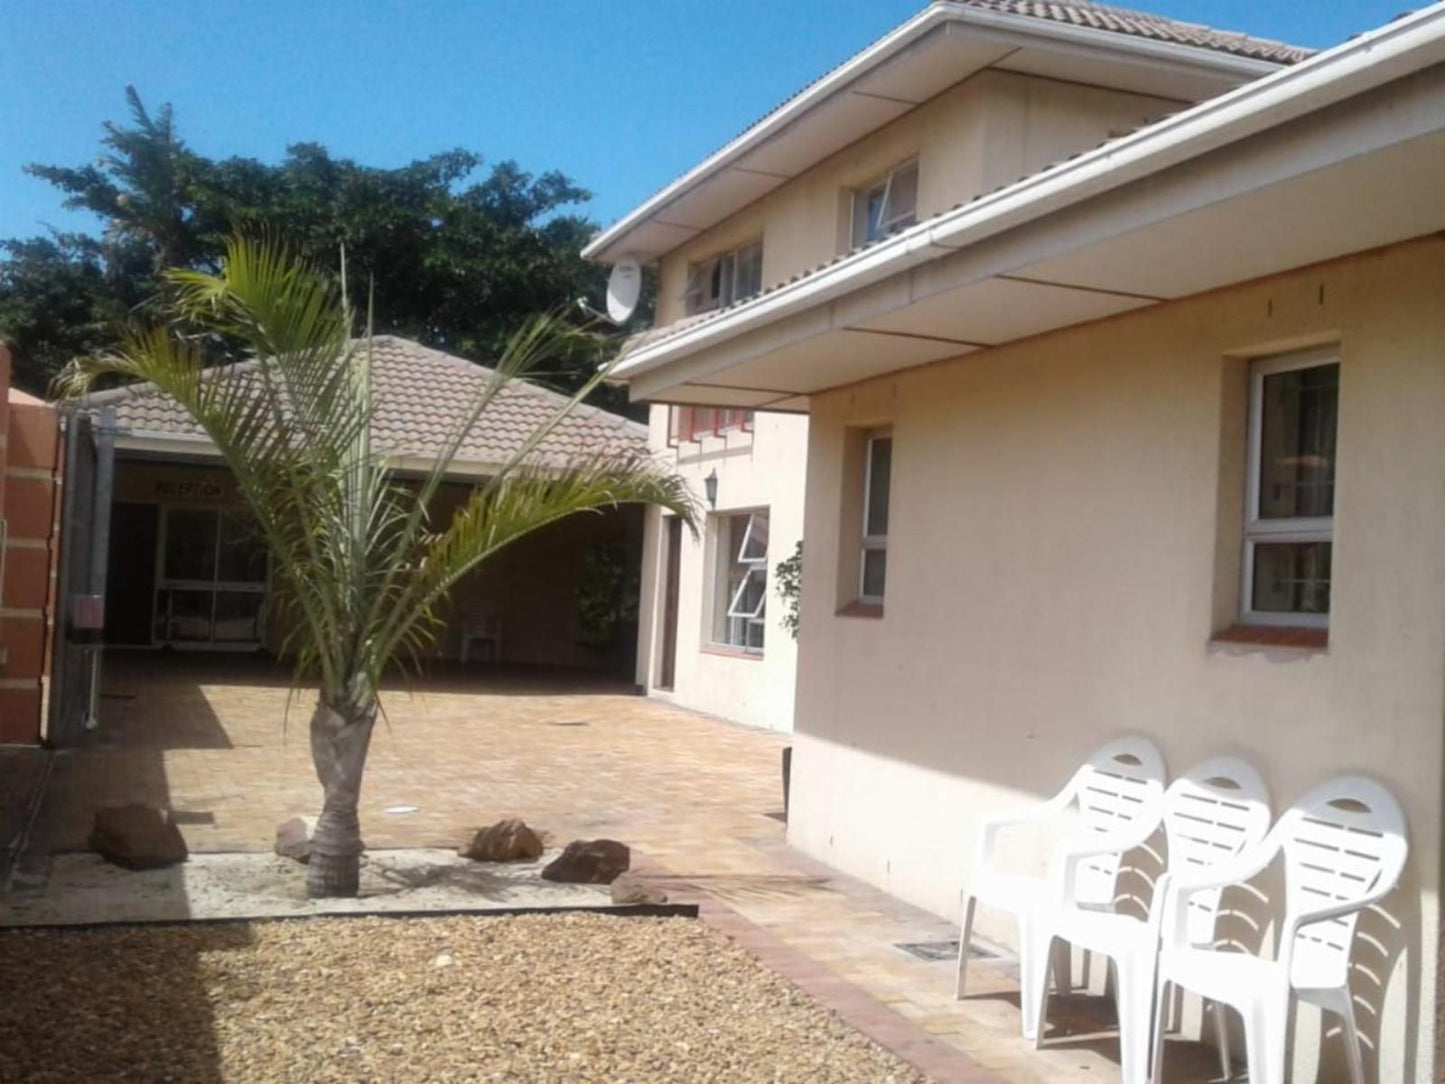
[458,257]
[360,567]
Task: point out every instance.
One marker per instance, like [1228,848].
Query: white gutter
[937,14]
[197,445]
[1371,60]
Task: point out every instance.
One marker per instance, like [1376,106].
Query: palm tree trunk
[340,738]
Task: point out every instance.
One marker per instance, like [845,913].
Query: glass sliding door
[211,592]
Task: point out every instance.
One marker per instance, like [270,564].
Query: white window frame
[872,542]
[756,566]
[1258,530]
[887,224]
[699,276]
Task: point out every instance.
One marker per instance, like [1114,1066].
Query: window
[740,600]
[721,280]
[873,566]
[688,424]
[1289,520]
[887,205]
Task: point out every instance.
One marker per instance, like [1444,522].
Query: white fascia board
[1409,44]
[156,443]
[1018,29]
[194,446]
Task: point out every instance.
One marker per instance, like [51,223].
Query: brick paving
[698,798]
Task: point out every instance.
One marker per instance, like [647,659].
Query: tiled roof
[420,395]
[1141,24]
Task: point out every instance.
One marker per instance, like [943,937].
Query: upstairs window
[689,424]
[887,205]
[1289,525]
[877,475]
[723,279]
[740,601]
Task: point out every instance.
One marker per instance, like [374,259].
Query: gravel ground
[538,998]
[85,888]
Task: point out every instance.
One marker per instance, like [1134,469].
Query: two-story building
[1122,348]
[876,145]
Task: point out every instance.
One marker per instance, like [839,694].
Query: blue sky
[621,96]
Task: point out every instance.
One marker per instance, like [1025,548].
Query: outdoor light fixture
[710,484]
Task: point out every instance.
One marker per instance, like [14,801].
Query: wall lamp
[710,484]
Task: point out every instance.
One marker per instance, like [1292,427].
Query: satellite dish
[624,287]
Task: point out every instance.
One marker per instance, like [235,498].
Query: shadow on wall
[126,1003]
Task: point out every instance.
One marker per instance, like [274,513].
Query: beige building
[712,634]
[1109,330]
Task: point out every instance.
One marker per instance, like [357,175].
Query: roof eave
[1408,44]
[937,14]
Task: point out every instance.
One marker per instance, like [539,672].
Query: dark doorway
[669,603]
[131,579]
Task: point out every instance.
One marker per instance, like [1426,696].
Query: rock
[589,862]
[293,838]
[508,840]
[137,837]
[443,960]
[629,890]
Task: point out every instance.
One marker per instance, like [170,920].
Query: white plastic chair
[1119,794]
[1344,847]
[1213,813]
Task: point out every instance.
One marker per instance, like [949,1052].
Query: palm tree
[359,566]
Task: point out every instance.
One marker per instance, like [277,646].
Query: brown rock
[630,890]
[589,862]
[293,838]
[137,837]
[508,840]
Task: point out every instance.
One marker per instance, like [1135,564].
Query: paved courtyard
[699,799]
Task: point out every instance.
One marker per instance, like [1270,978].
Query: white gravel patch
[84,888]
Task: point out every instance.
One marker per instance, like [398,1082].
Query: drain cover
[932,951]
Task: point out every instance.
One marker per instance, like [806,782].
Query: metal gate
[84,545]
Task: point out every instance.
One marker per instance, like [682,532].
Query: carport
[185,570]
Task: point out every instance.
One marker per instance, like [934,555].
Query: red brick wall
[29,458]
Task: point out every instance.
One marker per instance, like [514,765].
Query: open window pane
[880,468]
[751,596]
[886,206]
[1292,577]
[902,204]
[754,546]
[1297,418]
[740,593]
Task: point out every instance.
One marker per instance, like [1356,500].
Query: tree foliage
[457,256]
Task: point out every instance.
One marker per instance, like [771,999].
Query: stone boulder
[508,840]
[137,837]
[630,890]
[293,838]
[589,862]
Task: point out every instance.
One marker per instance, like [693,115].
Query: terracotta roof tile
[420,394]
[1141,24]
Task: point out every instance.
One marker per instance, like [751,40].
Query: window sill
[862,609]
[1299,637]
[731,652]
